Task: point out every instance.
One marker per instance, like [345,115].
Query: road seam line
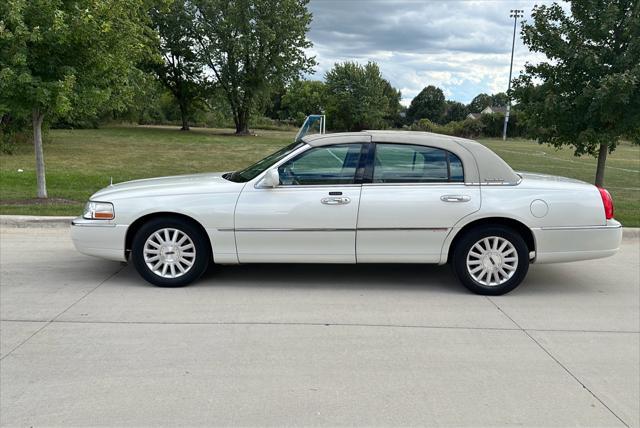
[266,323]
[71,321]
[566,369]
[54,319]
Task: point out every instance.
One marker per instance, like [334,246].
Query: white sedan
[367,197]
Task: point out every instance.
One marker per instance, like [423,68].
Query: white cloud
[463,47]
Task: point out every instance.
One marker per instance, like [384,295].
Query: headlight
[99,211]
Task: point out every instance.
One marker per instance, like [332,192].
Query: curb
[631,232]
[59,221]
[35,221]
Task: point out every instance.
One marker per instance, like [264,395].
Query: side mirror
[271,178]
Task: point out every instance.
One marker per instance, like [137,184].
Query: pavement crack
[55,319]
[515,328]
[24,341]
[565,368]
[268,323]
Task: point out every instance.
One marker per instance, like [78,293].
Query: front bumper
[568,244]
[99,238]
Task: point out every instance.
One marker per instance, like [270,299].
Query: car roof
[481,164]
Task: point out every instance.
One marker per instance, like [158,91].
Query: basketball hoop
[310,124]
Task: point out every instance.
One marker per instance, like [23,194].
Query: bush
[8,144]
[470,128]
[261,122]
[489,125]
[467,128]
[453,128]
[492,124]
[13,133]
[425,125]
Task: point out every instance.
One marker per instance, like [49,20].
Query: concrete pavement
[87,342]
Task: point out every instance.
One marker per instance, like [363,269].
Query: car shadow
[335,276]
[543,279]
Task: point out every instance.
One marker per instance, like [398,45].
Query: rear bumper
[569,244]
[99,238]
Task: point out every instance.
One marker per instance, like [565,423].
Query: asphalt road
[86,342]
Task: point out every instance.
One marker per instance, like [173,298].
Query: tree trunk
[242,123]
[185,117]
[37,118]
[602,158]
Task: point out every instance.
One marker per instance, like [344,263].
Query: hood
[163,186]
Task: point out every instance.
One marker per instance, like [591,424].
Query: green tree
[393,113]
[480,102]
[252,46]
[274,109]
[67,58]
[302,98]
[429,104]
[499,100]
[355,96]
[455,111]
[588,95]
[179,69]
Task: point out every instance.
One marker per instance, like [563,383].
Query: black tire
[201,258]
[467,242]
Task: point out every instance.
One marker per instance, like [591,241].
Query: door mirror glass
[271,179]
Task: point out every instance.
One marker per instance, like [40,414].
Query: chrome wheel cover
[169,253]
[492,261]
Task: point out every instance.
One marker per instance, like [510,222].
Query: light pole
[515,14]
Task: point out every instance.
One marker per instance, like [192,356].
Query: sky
[463,47]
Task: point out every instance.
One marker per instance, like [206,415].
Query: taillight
[607,201]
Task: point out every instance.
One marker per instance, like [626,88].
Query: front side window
[251,172]
[335,164]
[401,163]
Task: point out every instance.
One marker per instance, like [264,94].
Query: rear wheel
[170,252]
[491,260]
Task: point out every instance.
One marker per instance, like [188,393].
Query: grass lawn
[79,162]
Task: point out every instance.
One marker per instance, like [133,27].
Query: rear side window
[402,163]
[456,173]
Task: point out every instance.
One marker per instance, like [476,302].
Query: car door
[311,215]
[415,196]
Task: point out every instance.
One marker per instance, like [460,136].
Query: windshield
[251,172]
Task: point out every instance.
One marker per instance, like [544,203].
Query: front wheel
[170,252]
[491,260]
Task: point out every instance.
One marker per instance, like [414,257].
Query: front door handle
[455,198]
[335,201]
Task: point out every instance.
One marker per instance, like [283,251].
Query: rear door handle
[335,201]
[455,198]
